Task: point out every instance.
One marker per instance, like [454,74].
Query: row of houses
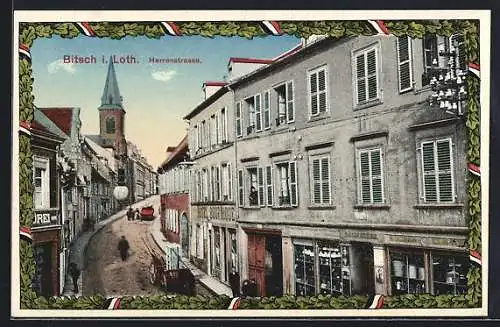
[74,177]
[324,171]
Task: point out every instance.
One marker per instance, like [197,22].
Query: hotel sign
[45,218]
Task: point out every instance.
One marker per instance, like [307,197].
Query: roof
[211,99]
[38,129]
[178,155]
[111,94]
[250,60]
[289,52]
[171,148]
[209,83]
[101,152]
[62,117]
[48,124]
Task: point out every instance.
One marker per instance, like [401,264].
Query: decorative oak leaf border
[29,32]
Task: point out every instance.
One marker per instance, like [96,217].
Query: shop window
[407,273]
[305,284]
[449,274]
[334,272]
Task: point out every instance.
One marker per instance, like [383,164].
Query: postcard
[250,164]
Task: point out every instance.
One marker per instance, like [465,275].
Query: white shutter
[364,186]
[360,78]
[258,113]
[377,176]
[372,78]
[313,93]
[325,180]
[404,54]
[260,183]
[366,76]
[316,181]
[458,41]
[290,107]
[444,166]
[229,182]
[429,172]
[269,185]
[267,110]
[241,192]
[293,183]
[238,119]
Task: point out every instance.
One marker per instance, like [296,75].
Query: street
[106,273]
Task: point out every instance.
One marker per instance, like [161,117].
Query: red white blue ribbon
[375,302]
[474,169]
[235,303]
[25,233]
[379,27]
[113,303]
[171,28]
[474,69]
[271,27]
[24,51]
[85,29]
[475,256]
[24,127]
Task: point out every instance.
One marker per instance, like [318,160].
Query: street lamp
[121,190]
[448,83]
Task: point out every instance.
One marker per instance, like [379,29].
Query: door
[185,236]
[256,261]
[273,272]
[363,282]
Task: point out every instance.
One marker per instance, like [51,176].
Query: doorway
[42,281]
[362,273]
[184,236]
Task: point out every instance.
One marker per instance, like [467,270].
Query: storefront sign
[45,218]
[358,235]
[426,241]
[213,212]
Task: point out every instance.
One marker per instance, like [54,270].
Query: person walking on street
[123,247]
[137,214]
[130,213]
[75,274]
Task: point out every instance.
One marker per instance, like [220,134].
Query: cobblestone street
[106,273]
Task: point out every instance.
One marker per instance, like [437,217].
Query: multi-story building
[142,181]
[212,198]
[175,176]
[348,182]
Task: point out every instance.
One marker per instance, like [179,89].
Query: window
[258,113]
[217,253]
[229,182]
[234,251]
[212,183]
[370,185]
[41,182]
[305,267]
[110,125]
[366,75]
[199,138]
[240,188]
[287,184]
[254,191]
[204,135]
[199,243]
[437,171]
[317,92]
[217,184]
[449,274]
[320,180]
[223,124]
[205,185]
[214,128]
[407,272]
[239,131]
[405,70]
[267,110]
[269,185]
[430,46]
[285,104]
[250,104]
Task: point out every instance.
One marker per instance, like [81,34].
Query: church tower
[112,115]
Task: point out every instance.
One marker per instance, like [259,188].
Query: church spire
[111,94]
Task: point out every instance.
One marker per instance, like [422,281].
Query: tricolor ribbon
[475,256]
[474,169]
[24,51]
[473,68]
[85,29]
[375,302]
[235,303]
[379,27]
[271,27]
[25,233]
[112,304]
[171,28]
[24,127]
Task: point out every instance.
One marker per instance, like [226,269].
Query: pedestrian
[137,214]
[123,247]
[130,213]
[75,274]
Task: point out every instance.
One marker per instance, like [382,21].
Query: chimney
[238,67]
[210,88]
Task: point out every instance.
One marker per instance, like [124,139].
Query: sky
[155,96]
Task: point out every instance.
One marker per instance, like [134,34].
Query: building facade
[348,181]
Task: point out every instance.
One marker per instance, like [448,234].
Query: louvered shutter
[458,41]
[229,182]
[429,172]
[322,90]
[325,180]
[269,185]
[376,176]
[260,182]
[267,110]
[404,63]
[444,171]
[316,181]
[371,63]
[293,183]
[313,89]
[360,78]
[364,161]
[289,102]
[240,187]
[258,113]
[238,119]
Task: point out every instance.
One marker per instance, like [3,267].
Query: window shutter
[229,182]
[219,183]
[313,93]
[325,180]
[322,90]
[260,183]
[404,63]
[365,177]
[376,170]
[258,113]
[458,41]
[269,185]
[240,187]
[267,111]
[238,119]
[293,183]
[316,181]
[429,174]
[445,171]
[360,76]
[289,102]
[371,63]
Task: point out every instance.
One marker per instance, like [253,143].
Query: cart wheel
[152,273]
